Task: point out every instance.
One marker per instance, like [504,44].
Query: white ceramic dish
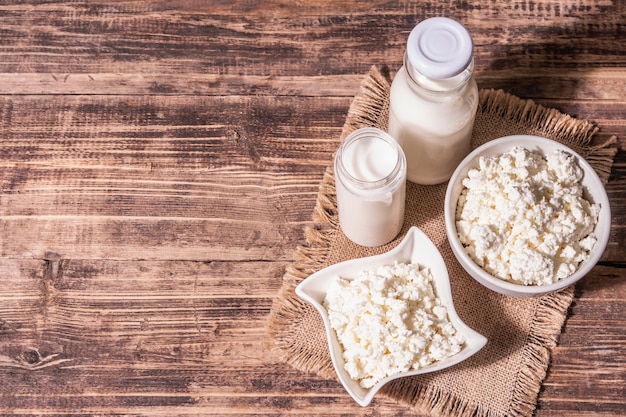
[594,191]
[416,247]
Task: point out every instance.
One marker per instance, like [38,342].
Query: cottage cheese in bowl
[523,217]
[526,215]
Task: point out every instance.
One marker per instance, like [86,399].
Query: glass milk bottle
[433,100]
[370,180]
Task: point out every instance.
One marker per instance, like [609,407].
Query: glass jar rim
[366,185]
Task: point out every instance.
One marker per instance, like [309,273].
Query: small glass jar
[433,100]
[370,181]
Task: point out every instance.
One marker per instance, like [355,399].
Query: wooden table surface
[159,161]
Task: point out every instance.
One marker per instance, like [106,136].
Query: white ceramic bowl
[594,190]
[416,247]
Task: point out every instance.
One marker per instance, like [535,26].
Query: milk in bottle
[433,100]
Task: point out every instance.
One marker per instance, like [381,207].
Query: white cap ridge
[440,47]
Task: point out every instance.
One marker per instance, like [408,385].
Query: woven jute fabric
[505,377]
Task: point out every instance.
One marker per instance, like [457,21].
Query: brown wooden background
[160,159]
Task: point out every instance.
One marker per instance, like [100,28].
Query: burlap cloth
[505,377]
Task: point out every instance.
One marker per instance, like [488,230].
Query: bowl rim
[602,228]
[414,247]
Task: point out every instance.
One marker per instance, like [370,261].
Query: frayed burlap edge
[369,108]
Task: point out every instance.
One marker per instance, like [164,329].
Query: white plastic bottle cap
[440,47]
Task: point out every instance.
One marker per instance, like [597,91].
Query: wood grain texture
[159,161]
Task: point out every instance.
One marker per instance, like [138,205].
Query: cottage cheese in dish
[388,321]
[523,218]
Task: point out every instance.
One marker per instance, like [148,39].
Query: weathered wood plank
[179,84]
[171,132]
[234,39]
[572,84]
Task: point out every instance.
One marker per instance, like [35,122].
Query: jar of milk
[433,100]
[370,181]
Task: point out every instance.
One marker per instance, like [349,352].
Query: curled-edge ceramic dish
[416,247]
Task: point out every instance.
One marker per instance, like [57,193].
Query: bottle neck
[445,85]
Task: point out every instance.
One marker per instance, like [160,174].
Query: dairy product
[435,134]
[370,181]
[389,320]
[433,100]
[370,159]
[523,217]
